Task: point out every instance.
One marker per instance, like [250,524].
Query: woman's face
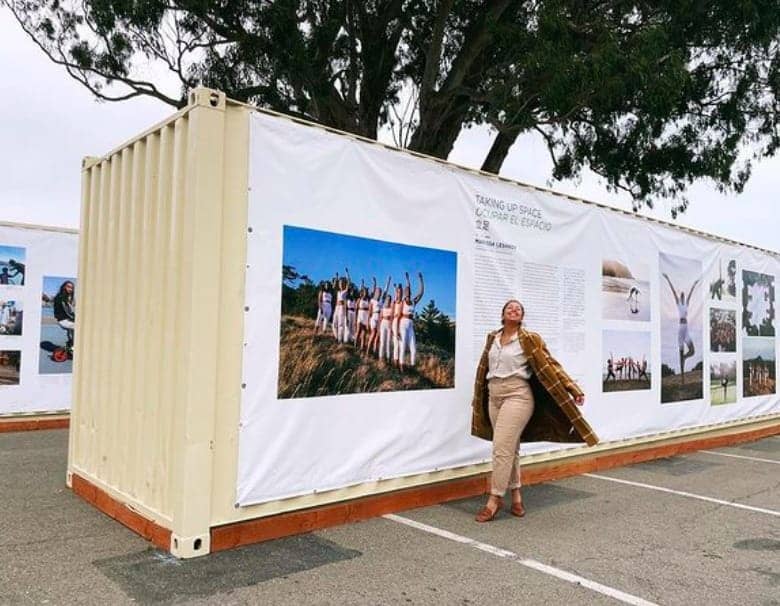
[69,287]
[513,312]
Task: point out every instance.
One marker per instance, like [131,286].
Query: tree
[650,95]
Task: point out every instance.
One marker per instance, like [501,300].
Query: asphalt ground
[702,528]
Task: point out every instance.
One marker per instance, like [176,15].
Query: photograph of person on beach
[625,291]
[682,305]
[361,315]
[12,265]
[758,304]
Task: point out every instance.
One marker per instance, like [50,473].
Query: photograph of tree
[723,330]
[626,360]
[758,366]
[723,380]
[361,315]
[682,304]
[758,304]
[625,291]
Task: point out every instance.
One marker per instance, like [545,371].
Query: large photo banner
[37,316]
[373,278]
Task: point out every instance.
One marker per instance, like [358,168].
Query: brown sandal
[517,509]
[486,515]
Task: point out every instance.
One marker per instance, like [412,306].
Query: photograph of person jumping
[361,315]
[626,356]
[58,325]
[682,304]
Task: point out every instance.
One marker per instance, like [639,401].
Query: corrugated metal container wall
[160,320]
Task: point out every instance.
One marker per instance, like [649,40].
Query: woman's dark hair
[62,293]
[503,309]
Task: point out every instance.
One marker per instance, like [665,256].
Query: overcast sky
[50,122]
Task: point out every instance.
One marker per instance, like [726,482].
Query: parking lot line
[689,495]
[621,596]
[733,456]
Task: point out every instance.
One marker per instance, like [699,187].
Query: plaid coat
[556,417]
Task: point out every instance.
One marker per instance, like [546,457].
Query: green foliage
[650,95]
[667,371]
[432,326]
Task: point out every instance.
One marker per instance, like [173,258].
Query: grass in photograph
[313,364]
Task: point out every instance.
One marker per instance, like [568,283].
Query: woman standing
[521,391]
[406,323]
[374,311]
[683,337]
[326,301]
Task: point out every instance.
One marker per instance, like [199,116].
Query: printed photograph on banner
[58,318]
[682,304]
[10,364]
[11,313]
[625,291]
[723,330]
[758,304]
[626,360]
[361,315]
[723,281]
[12,265]
[723,380]
[758,366]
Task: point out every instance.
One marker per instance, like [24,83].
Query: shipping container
[213,407]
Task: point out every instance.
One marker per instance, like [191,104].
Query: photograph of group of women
[758,366]
[626,355]
[682,305]
[360,315]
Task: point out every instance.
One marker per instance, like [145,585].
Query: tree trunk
[499,150]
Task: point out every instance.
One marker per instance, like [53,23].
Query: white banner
[37,301]
[663,329]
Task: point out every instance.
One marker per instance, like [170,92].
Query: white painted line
[733,456]
[621,596]
[690,495]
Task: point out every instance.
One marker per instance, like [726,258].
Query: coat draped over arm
[556,418]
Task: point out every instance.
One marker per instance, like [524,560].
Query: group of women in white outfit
[377,322]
